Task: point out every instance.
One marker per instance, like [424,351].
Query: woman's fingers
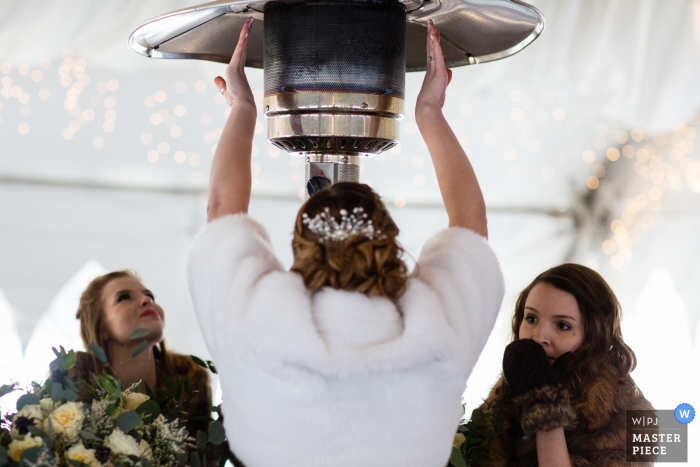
[238,57]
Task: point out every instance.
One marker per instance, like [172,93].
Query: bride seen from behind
[346,360]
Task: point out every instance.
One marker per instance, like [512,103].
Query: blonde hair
[373,267]
[92,322]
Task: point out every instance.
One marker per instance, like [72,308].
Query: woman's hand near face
[230,180]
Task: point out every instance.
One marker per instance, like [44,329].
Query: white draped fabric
[584,143]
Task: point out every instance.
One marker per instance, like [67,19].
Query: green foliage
[216,433]
[27,399]
[99,352]
[88,435]
[201,439]
[139,349]
[148,410]
[128,420]
[457,459]
[6,389]
[3,455]
[194,460]
[138,333]
[30,455]
[482,427]
[205,364]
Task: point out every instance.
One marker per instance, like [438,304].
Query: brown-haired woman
[346,360]
[111,308]
[566,380]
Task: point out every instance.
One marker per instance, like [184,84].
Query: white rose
[79,453]
[66,420]
[48,405]
[17,447]
[133,400]
[122,444]
[32,411]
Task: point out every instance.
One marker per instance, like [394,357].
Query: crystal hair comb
[329,229]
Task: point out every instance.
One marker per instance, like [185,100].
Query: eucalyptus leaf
[128,420]
[27,399]
[71,359]
[181,458]
[201,439]
[138,333]
[88,435]
[139,349]
[57,391]
[456,459]
[198,361]
[3,455]
[145,462]
[6,389]
[99,352]
[30,455]
[194,460]
[35,431]
[217,435]
[149,410]
[136,435]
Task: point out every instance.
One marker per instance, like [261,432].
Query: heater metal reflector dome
[473,31]
[335,69]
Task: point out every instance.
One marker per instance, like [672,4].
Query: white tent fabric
[585,145]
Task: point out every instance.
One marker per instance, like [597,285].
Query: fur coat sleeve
[597,439]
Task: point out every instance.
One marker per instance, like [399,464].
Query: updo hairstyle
[370,266]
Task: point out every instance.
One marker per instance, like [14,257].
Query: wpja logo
[658,435]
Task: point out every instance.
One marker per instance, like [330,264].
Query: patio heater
[334,70]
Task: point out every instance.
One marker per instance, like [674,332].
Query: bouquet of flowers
[121,427]
[474,436]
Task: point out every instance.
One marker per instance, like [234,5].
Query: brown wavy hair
[373,267]
[92,322]
[603,349]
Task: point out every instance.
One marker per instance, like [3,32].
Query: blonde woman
[111,308]
[346,360]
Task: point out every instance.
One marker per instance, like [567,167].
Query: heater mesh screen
[335,46]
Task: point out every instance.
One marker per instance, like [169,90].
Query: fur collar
[596,439]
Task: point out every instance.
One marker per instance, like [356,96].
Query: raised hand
[437,77]
[235,87]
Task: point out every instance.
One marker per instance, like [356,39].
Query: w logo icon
[684,413]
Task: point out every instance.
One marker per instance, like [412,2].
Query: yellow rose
[145,450]
[459,440]
[17,447]
[66,420]
[79,453]
[133,400]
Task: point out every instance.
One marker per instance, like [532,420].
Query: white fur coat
[337,378]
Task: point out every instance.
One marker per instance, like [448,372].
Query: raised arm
[458,184]
[230,180]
